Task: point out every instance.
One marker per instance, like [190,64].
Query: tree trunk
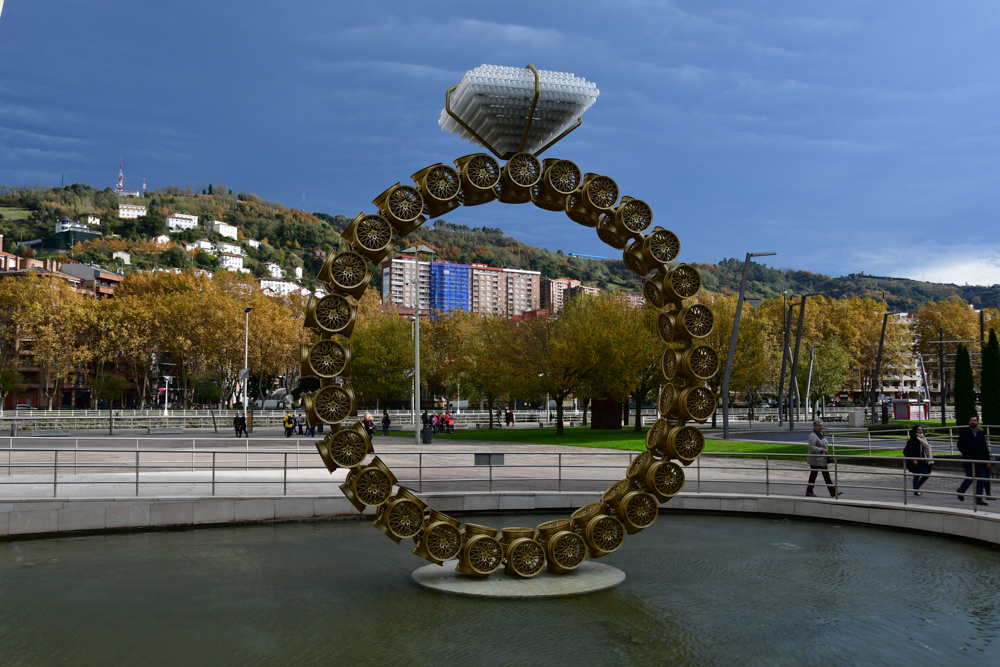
[212,412]
[586,404]
[559,416]
[489,410]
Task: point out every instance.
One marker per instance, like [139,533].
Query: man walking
[972,445]
[289,424]
[818,461]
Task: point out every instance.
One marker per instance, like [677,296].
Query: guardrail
[33,472]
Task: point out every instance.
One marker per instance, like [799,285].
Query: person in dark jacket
[972,445]
[236,425]
[385,422]
[368,424]
[243,426]
[918,454]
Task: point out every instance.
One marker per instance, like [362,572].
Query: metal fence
[295,469]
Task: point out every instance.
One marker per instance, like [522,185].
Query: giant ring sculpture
[514,175]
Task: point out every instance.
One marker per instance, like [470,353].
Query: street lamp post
[812,357]
[166,394]
[416,337]
[245,373]
[732,342]
[795,362]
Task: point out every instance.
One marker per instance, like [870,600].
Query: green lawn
[584,436]
[14,213]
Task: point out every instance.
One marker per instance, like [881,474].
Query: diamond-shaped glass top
[495,101]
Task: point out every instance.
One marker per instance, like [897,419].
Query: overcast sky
[846,136]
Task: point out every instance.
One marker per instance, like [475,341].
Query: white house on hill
[274,270]
[127,211]
[230,262]
[177,222]
[222,229]
[277,286]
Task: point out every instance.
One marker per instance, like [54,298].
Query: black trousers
[826,478]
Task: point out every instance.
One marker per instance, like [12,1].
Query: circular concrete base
[587,578]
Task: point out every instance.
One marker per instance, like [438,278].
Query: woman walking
[918,456]
[818,460]
[385,422]
[368,424]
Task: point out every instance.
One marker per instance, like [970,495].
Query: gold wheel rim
[651,290]
[703,361]
[405,203]
[328,358]
[685,281]
[374,233]
[664,246]
[639,465]
[666,399]
[372,486]
[700,403]
[607,533]
[641,510]
[656,433]
[524,169]
[665,327]
[333,404]
[602,192]
[333,313]
[569,551]
[698,321]
[405,518]
[485,554]
[689,443]
[668,364]
[348,270]
[348,449]
[668,480]
[443,541]
[564,177]
[527,558]
[635,215]
[482,171]
[442,183]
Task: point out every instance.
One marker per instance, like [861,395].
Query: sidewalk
[442,467]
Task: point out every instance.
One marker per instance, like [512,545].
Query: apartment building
[523,290]
[400,284]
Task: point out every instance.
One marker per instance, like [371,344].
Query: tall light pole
[795,362]
[732,341]
[245,373]
[416,337]
[166,394]
[812,357]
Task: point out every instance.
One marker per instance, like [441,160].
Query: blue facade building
[449,288]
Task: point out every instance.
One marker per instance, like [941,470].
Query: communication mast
[121,178]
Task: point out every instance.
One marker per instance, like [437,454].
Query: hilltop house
[128,211]
[222,229]
[177,222]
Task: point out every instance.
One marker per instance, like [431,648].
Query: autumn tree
[955,319]
[485,359]
[556,356]
[50,327]
[381,352]
[989,385]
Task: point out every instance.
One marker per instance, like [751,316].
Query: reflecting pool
[700,589]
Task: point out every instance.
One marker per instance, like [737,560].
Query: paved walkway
[273,467]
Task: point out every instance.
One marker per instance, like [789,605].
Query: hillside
[289,236]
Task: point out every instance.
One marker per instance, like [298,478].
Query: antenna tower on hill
[121,177]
